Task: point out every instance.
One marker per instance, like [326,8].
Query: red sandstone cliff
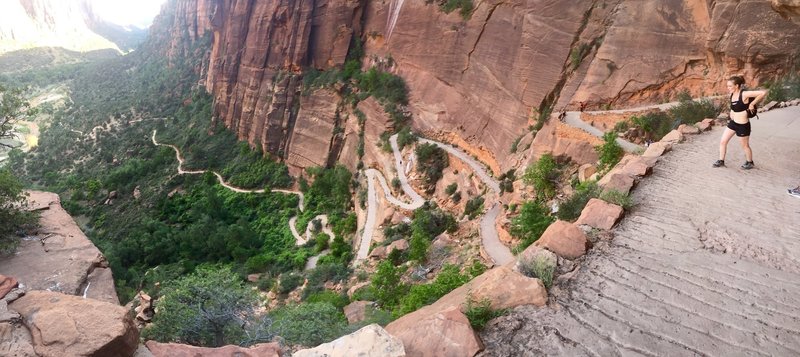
[498,69]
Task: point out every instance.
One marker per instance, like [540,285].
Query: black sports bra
[738,105]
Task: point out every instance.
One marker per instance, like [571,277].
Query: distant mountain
[69,24]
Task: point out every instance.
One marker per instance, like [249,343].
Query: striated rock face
[66,325]
[789,9]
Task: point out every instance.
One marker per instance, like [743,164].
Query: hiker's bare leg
[748,153]
[723,142]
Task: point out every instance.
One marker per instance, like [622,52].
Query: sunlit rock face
[48,23]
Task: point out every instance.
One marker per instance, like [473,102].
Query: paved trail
[707,263]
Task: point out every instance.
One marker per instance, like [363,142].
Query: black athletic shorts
[740,129]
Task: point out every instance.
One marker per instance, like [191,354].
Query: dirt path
[706,263]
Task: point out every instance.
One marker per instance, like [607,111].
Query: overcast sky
[128,12]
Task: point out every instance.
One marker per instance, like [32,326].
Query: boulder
[533,253]
[112,195]
[7,284]
[769,106]
[705,125]
[616,180]
[674,136]
[639,165]
[356,311]
[253,278]
[443,333]
[600,214]
[688,129]
[586,171]
[378,252]
[371,340]
[388,214]
[565,239]
[503,286]
[400,244]
[144,310]
[158,349]
[657,149]
[15,340]
[67,325]
[137,193]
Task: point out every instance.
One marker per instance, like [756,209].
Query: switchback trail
[299,240]
[707,262]
[490,240]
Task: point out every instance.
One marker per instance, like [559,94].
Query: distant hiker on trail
[562,116]
[739,122]
[583,106]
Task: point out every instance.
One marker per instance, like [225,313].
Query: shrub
[451,189]
[783,89]
[330,297]
[431,161]
[532,221]
[289,282]
[473,207]
[542,175]
[654,124]
[456,197]
[538,267]
[571,209]
[309,324]
[618,198]
[387,288]
[11,218]
[206,308]
[479,312]
[448,279]
[690,111]
[610,152]
[577,54]
[515,144]
[405,137]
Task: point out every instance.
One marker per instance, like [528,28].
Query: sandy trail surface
[706,263]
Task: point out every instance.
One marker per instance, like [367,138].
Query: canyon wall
[479,80]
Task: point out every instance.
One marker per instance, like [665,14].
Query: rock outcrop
[67,325]
[158,349]
[371,340]
[60,258]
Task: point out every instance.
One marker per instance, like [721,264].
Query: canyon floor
[706,263]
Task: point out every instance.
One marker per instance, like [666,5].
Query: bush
[386,284]
[309,324]
[571,209]
[783,89]
[542,175]
[451,189]
[479,312]
[529,225]
[330,297]
[431,161]
[538,267]
[618,198]
[448,279]
[473,207]
[515,144]
[405,137]
[654,124]
[610,152]
[206,308]
[289,282]
[11,218]
[456,197]
[690,111]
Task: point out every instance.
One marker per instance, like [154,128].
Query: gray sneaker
[748,165]
[795,192]
[718,163]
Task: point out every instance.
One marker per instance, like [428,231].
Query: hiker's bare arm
[757,94]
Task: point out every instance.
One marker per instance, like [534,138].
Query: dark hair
[737,80]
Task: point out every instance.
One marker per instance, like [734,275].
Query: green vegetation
[610,152]
[11,217]
[428,222]
[309,324]
[515,144]
[618,198]
[539,267]
[542,176]
[479,312]
[405,137]
[689,111]
[451,189]
[528,226]
[447,6]
[431,161]
[418,296]
[571,208]
[474,207]
[211,307]
[656,123]
[577,54]
[507,181]
[783,89]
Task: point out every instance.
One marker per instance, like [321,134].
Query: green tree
[387,285]
[610,152]
[12,108]
[310,324]
[542,175]
[529,225]
[210,307]
[11,217]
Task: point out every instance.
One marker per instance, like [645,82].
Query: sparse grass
[618,198]
[479,312]
[538,267]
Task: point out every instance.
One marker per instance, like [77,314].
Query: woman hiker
[739,124]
